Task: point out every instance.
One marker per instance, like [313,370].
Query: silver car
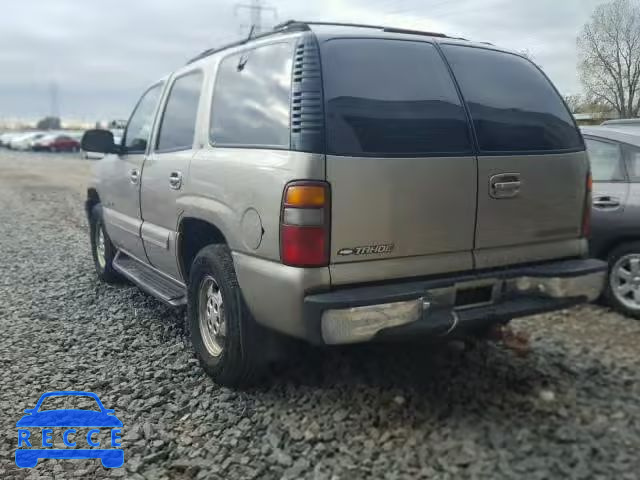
[615,163]
[343,184]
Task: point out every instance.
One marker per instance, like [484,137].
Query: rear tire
[228,342]
[623,281]
[102,250]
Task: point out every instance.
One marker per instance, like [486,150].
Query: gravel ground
[569,409]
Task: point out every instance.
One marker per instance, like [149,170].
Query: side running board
[151,280]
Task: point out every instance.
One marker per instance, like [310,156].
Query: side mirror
[100,141]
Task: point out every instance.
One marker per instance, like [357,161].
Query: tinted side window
[633,164]
[606,161]
[251,101]
[390,97]
[179,119]
[141,121]
[513,106]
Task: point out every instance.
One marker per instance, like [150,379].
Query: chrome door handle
[606,202]
[134,176]
[504,185]
[175,180]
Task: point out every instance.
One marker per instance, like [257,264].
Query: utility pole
[255,9]
[53,98]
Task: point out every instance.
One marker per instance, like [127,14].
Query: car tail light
[304,224]
[586,215]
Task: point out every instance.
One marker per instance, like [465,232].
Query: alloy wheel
[211,316]
[625,281]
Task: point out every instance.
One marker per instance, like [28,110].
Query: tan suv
[341,184]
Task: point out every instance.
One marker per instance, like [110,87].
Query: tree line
[609,60]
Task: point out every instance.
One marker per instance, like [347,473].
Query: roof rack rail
[295,25]
[361,25]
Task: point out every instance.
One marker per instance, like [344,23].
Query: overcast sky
[102,54]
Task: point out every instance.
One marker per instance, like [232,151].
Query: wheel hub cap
[625,281]
[211,316]
[100,248]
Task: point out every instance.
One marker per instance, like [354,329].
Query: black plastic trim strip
[307,119]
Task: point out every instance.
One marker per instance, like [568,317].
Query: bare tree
[609,47]
[574,102]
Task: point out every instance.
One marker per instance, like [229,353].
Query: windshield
[69,402]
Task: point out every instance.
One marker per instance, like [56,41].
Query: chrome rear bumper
[441,306]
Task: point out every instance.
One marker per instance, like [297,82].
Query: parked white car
[6,137]
[25,142]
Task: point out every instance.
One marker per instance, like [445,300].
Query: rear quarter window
[390,98]
[514,107]
[251,100]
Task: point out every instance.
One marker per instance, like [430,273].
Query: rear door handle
[504,185]
[134,176]
[606,202]
[175,180]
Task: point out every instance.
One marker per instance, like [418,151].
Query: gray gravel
[570,409]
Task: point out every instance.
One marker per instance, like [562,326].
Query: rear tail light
[304,224]
[586,215]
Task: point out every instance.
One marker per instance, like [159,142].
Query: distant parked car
[627,124]
[622,121]
[17,141]
[615,233]
[44,142]
[25,142]
[5,137]
[57,143]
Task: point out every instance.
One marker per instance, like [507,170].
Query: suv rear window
[513,106]
[391,97]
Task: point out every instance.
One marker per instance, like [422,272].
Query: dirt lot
[569,409]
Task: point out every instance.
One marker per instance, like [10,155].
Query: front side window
[513,106]
[606,161]
[251,101]
[141,121]
[390,97]
[178,124]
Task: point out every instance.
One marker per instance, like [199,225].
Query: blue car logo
[69,419]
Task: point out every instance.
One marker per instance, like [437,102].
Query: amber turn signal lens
[305,196]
